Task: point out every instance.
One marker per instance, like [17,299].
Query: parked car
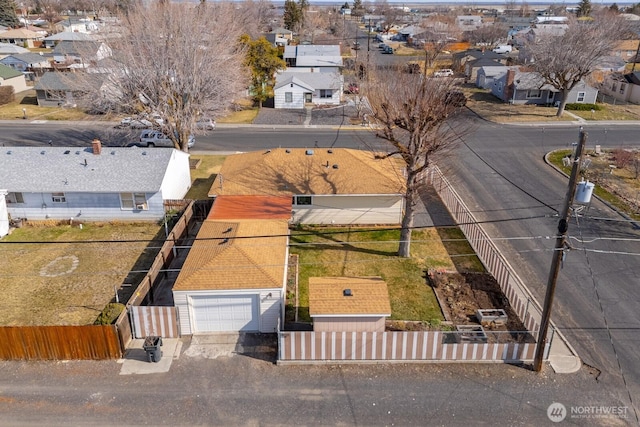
[141,123]
[455,98]
[387,49]
[503,48]
[353,88]
[154,138]
[445,72]
[205,123]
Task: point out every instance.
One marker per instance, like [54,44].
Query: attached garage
[225,313]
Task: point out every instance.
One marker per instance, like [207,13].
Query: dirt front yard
[65,274]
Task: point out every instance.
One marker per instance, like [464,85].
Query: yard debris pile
[461,295]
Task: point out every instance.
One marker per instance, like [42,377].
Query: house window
[302,200]
[581,96]
[288,97]
[534,93]
[614,86]
[14,198]
[326,93]
[623,87]
[58,197]
[137,201]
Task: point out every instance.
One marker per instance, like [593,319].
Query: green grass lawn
[367,252]
[203,176]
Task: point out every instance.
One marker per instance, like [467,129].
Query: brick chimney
[509,85]
[97,147]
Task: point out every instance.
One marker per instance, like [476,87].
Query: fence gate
[156,321]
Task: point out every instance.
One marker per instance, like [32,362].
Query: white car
[154,138]
[446,72]
[207,124]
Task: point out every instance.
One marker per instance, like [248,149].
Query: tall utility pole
[558,253]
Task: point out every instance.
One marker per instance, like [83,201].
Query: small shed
[351,304]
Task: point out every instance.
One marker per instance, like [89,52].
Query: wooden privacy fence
[92,342]
[399,346]
[521,300]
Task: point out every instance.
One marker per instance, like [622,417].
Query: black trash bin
[152,347]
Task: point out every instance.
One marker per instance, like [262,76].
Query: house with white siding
[26,62]
[297,89]
[319,58]
[326,186]
[92,183]
[234,277]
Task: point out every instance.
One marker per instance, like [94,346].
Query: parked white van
[503,48]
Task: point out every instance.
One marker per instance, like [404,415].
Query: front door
[308,97]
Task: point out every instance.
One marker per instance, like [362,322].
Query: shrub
[7,95]
[583,107]
[109,314]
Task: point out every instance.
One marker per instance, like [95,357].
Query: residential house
[517,87]
[77,25]
[80,54]
[26,62]
[626,49]
[623,87]
[22,37]
[348,304]
[7,49]
[14,78]
[4,214]
[316,58]
[298,89]
[234,277]
[94,183]
[67,36]
[56,89]
[279,36]
[468,22]
[487,74]
[459,59]
[471,68]
[327,186]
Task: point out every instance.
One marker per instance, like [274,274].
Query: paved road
[501,174]
[241,391]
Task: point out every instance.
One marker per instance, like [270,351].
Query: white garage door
[225,313]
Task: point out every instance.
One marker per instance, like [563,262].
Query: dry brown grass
[55,281]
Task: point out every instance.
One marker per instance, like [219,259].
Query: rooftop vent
[9,152]
[225,240]
[42,152]
[309,152]
[228,230]
[347,293]
[287,151]
[330,151]
[67,152]
[335,166]
[267,152]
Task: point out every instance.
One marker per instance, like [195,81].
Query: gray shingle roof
[29,58]
[310,80]
[52,169]
[71,36]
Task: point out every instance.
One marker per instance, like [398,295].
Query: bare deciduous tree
[564,60]
[178,61]
[489,34]
[415,116]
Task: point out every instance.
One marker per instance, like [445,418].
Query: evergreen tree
[263,60]
[8,16]
[292,16]
[584,8]
[358,8]
[614,8]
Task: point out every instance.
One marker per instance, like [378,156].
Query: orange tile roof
[369,296]
[292,171]
[251,207]
[253,257]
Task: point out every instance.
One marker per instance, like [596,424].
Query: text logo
[556,412]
